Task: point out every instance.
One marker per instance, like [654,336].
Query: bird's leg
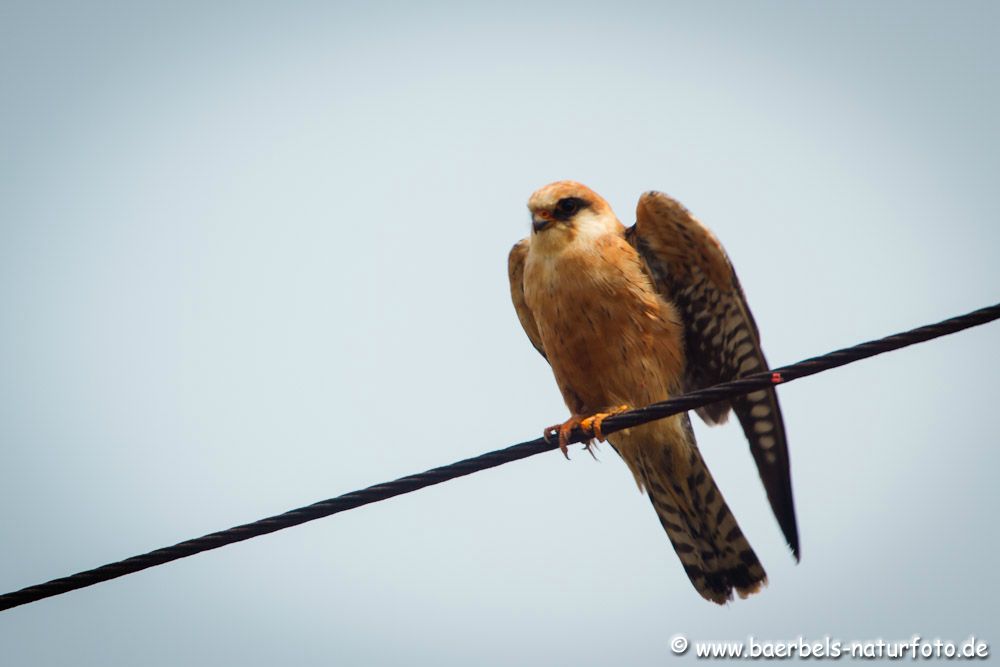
[592,425]
[563,431]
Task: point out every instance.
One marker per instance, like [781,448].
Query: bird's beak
[540,221]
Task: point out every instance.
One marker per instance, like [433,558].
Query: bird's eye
[567,207]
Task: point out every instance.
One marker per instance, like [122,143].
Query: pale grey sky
[254,255]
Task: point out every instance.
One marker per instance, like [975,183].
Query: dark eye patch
[567,207]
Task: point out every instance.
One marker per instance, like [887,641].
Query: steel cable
[492,459]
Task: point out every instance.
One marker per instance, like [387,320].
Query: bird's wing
[515,270]
[690,268]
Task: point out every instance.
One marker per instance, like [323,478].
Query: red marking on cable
[776,378]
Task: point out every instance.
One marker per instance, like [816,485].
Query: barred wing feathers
[690,268]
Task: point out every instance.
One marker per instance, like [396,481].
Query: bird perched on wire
[629,317]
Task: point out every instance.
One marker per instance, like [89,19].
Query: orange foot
[563,430]
[591,426]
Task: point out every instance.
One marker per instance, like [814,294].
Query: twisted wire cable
[348,501]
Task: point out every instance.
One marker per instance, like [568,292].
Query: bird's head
[565,210]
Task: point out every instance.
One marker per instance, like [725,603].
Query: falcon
[631,316]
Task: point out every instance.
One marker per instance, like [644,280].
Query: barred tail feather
[715,554]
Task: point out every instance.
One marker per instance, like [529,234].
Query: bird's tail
[715,554]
